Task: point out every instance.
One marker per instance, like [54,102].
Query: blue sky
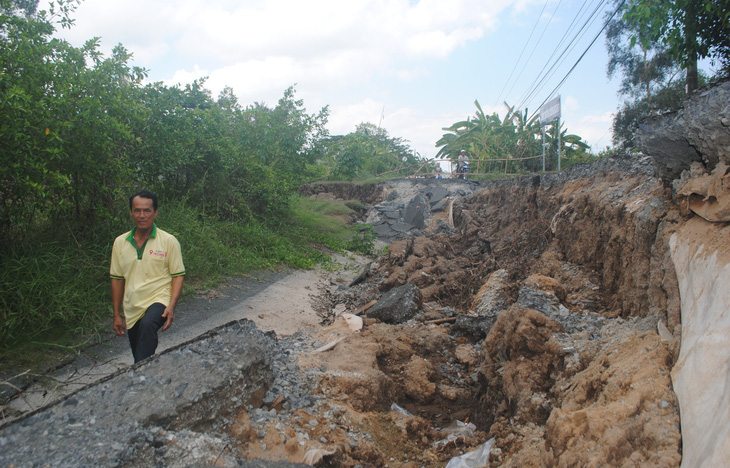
[412,66]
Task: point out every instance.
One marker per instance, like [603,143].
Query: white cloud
[255,79]
[423,128]
[182,77]
[570,104]
[342,54]
[410,74]
[229,31]
[149,53]
[522,6]
[595,129]
[344,118]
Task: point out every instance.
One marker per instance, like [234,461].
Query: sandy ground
[283,302]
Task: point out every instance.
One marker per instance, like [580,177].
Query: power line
[582,55]
[562,39]
[536,44]
[523,51]
[542,78]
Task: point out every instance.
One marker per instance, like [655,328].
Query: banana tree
[479,135]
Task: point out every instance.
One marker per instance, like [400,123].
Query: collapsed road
[571,319]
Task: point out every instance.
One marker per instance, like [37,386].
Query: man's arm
[177,286]
[117,298]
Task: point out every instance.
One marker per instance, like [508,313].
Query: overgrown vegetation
[80,132]
[369,153]
[653,46]
[58,296]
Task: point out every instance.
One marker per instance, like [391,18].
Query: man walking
[147,274]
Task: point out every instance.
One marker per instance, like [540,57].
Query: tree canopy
[689,29]
[370,152]
[653,46]
[80,130]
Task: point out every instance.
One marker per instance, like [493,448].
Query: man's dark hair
[144,194]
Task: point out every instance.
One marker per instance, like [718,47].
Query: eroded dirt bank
[546,320]
[550,295]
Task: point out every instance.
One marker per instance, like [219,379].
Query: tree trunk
[647,83]
[690,37]
[692,81]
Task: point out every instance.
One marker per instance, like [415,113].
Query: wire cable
[536,44]
[575,20]
[543,78]
[605,24]
[522,52]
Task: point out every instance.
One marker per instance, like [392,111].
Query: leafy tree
[32,182]
[79,131]
[370,151]
[689,29]
[650,66]
[351,150]
[478,135]
[93,101]
[18,7]
[645,67]
[284,138]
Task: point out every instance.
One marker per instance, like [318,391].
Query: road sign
[550,111]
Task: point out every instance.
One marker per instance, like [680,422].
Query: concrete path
[282,302]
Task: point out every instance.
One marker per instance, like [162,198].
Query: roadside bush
[363,241]
[56,287]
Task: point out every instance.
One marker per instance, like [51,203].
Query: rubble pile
[557,285]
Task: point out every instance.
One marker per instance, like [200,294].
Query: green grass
[54,291]
[303,206]
[322,218]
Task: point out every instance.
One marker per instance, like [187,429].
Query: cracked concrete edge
[235,359]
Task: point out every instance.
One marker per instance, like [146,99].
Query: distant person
[461,164]
[438,172]
[147,276]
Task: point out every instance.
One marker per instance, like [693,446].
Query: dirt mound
[538,329]
[392,395]
[558,284]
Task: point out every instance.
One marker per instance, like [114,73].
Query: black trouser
[143,335]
